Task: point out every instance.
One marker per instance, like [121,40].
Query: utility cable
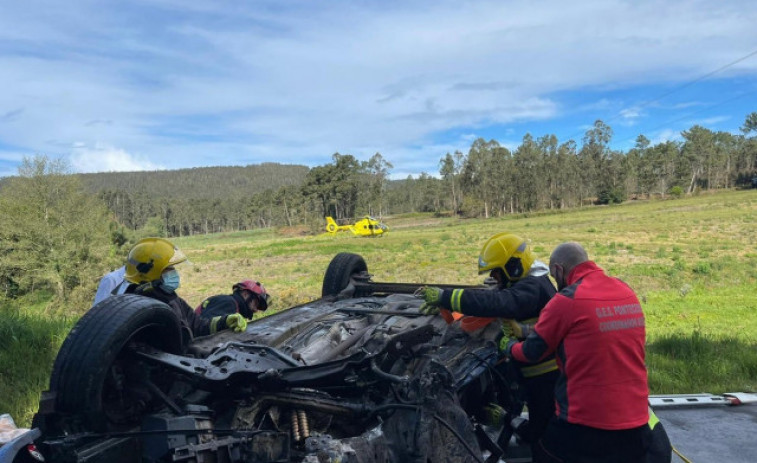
[698,79]
[693,113]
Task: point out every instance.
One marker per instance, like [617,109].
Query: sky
[168,84]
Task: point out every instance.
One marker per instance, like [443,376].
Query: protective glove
[428,309]
[506,346]
[493,415]
[507,329]
[431,294]
[432,297]
[236,322]
[519,330]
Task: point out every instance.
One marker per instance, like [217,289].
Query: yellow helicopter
[367,226]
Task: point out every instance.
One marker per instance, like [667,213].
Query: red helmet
[255,288]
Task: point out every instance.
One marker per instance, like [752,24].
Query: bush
[612,196]
[676,191]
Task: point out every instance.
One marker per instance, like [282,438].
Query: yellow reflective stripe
[454,301]
[653,420]
[539,369]
[530,321]
[214,324]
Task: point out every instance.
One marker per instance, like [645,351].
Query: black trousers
[572,443]
[540,397]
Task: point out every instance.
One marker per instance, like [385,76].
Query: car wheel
[341,268]
[94,367]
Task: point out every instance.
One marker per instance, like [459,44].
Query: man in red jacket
[595,324]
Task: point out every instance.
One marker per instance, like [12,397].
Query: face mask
[171,281]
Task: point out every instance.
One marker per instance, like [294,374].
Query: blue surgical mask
[171,281]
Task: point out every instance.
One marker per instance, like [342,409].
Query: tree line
[488,180]
[62,231]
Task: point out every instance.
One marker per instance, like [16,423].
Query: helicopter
[367,226]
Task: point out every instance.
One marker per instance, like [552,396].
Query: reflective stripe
[454,301]
[539,369]
[653,420]
[214,324]
[530,321]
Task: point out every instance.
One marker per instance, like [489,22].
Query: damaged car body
[358,375]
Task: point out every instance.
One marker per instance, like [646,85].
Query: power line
[693,113]
[698,79]
[679,88]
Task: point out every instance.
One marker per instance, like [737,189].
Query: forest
[488,180]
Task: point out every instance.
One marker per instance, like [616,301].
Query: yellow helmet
[149,257]
[508,252]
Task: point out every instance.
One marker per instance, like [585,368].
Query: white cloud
[239,83]
[630,115]
[666,135]
[103,158]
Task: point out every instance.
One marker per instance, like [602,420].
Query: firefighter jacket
[522,301]
[596,326]
[223,305]
[191,324]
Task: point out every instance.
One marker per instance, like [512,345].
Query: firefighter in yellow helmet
[523,289]
[151,272]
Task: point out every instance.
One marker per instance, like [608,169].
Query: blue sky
[165,84]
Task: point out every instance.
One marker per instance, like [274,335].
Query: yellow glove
[236,322]
[506,346]
[432,297]
[431,294]
[507,329]
[519,330]
[493,415]
[429,309]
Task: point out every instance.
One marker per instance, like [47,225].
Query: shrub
[702,268]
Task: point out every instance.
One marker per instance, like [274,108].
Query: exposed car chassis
[356,376]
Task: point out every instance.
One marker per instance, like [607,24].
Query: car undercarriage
[358,375]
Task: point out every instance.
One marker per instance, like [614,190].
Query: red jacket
[596,326]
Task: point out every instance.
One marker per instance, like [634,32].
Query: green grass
[692,261]
[29,341]
[697,362]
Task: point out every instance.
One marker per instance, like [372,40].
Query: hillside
[200,182]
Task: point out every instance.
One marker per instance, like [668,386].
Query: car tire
[340,270]
[93,347]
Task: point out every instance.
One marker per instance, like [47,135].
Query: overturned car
[358,375]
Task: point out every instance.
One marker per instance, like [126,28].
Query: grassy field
[29,342]
[692,261]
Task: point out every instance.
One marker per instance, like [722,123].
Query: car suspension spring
[304,427]
[295,426]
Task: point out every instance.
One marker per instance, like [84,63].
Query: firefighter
[247,297]
[151,272]
[523,289]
